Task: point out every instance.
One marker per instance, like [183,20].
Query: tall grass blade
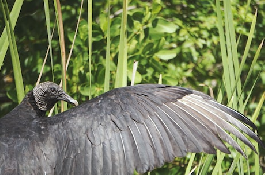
[233,165]
[238,155]
[246,51]
[254,118]
[121,74]
[229,47]
[13,52]
[48,25]
[188,169]
[4,38]
[207,163]
[249,93]
[253,63]
[227,62]
[107,73]
[223,48]
[90,44]
[201,163]
[250,37]
[217,168]
[258,108]
[234,52]
[62,45]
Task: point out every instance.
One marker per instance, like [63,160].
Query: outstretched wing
[139,127]
[142,127]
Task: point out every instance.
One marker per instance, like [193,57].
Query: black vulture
[130,128]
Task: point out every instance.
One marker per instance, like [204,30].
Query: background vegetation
[204,45]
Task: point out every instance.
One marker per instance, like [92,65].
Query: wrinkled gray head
[47,94]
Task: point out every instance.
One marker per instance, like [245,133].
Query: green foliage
[3,39]
[13,51]
[188,42]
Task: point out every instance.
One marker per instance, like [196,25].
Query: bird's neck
[31,100]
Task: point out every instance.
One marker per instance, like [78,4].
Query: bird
[129,128]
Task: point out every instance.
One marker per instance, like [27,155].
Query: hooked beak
[68,99]
[73,101]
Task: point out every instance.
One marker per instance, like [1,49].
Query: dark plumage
[139,127]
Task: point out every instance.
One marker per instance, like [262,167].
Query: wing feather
[107,166]
[141,157]
[79,164]
[213,126]
[226,109]
[97,159]
[147,146]
[177,141]
[161,126]
[166,145]
[121,156]
[157,142]
[87,156]
[190,141]
[225,116]
[115,157]
[221,122]
[128,152]
[173,132]
[205,137]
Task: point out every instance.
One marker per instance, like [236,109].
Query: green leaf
[167,54]
[156,6]
[3,39]
[13,52]
[160,44]
[161,26]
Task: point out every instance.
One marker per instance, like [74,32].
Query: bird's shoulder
[21,122]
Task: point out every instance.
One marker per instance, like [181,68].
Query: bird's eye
[52,89]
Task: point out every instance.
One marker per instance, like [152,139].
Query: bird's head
[47,94]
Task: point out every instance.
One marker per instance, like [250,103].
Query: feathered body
[139,127]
